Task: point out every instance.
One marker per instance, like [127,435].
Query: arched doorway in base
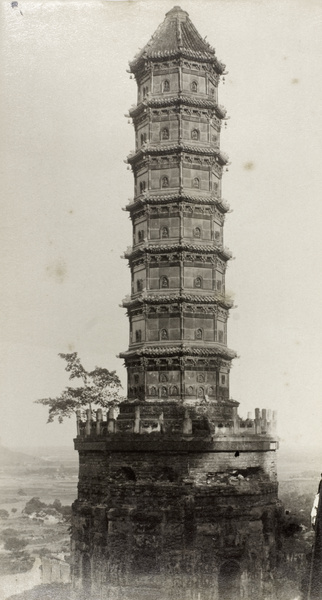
[229,581]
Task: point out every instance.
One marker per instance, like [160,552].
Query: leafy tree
[34,505]
[99,387]
[4,513]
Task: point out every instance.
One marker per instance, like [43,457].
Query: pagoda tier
[177,149]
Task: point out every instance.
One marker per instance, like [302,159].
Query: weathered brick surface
[172,521]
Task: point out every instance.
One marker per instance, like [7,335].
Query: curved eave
[149,150]
[158,249]
[145,199]
[182,350]
[178,100]
[223,301]
[207,56]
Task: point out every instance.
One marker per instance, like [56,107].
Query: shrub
[34,505]
[15,544]
[4,514]
[44,551]
[8,532]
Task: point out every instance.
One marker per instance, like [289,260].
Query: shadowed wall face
[158,527]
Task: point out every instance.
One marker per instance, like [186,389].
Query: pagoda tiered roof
[179,147]
[216,297]
[177,36]
[182,246]
[177,269]
[178,99]
[182,350]
[147,198]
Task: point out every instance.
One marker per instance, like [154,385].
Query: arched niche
[167,474]
[229,581]
[125,474]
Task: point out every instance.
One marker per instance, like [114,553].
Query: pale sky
[65,91]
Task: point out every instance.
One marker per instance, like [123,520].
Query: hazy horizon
[291,461]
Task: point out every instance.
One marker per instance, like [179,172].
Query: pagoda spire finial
[177,11]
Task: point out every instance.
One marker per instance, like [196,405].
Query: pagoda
[177,495]
[178,308]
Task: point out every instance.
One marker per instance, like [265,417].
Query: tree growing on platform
[99,387]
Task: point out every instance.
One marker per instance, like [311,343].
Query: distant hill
[11,458]
[51,453]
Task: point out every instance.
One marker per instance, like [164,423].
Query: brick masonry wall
[149,521]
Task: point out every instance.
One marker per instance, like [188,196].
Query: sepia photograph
[160,309]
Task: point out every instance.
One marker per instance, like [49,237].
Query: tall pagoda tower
[177,495]
[178,308]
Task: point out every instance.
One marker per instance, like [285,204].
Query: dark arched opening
[167,474]
[86,572]
[125,474]
[229,581]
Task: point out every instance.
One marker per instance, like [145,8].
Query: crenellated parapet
[212,422]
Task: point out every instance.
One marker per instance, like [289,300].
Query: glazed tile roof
[179,99]
[196,299]
[149,199]
[182,298]
[176,35]
[225,252]
[178,147]
[181,350]
[184,246]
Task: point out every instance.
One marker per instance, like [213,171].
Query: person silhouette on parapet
[320,484]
